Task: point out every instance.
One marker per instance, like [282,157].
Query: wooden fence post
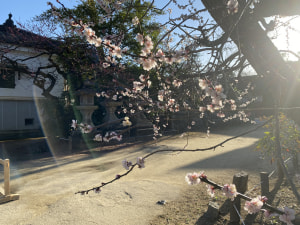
[241,182]
[7,195]
[264,182]
[6,176]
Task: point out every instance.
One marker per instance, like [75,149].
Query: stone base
[8,198]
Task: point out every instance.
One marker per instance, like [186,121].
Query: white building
[20,52]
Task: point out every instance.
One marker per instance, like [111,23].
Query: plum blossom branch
[209,148]
[141,160]
[252,205]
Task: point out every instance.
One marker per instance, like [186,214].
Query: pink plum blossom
[202,109]
[116,51]
[202,84]
[254,205]
[177,83]
[229,190]
[160,54]
[207,132]
[288,216]
[210,108]
[232,6]
[220,114]
[126,122]
[233,107]
[89,32]
[193,178]
[114,97]
[126,164]
[269,214]
[106,42]
[210,190]
[169,60]
[85,128]
[171,101]
[98,137]
[139,37]
[148,63]
[219,88]
[160,95]
[105,65]
[142,78]
[138,86]
[98,42]
[135,21]
[148,43]
[119,137]
[74,124]
[140,162]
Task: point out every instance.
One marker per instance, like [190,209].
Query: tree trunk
[243,28]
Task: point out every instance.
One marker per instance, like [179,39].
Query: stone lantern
[86,107]
[111,107]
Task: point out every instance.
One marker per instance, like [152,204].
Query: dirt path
[47,185]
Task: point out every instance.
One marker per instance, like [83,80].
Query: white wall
[24,86]
[17,105]
[18,115]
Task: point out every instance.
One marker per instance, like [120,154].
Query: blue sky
[23,10]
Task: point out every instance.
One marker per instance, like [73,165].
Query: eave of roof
[10,34]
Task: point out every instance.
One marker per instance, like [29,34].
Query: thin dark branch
[219,187]
[171,150]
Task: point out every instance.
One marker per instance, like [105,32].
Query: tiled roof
[10,34]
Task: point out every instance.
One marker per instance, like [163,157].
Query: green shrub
[289,139]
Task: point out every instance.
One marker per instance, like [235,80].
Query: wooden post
[264,182]
[6,177]
[7,195]
[241,182]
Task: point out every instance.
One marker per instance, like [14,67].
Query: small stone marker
[213,211]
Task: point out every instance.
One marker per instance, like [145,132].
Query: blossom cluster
[140,162]
[149,60]
[84,128]
[232,6]
[194,178]
[126,122]
[252,206]
[229,190]
[112,135]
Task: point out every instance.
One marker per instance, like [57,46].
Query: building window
[7,78]
[29,121]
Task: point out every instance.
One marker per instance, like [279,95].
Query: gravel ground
[47,184]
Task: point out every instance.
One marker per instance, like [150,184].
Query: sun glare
[288,36]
